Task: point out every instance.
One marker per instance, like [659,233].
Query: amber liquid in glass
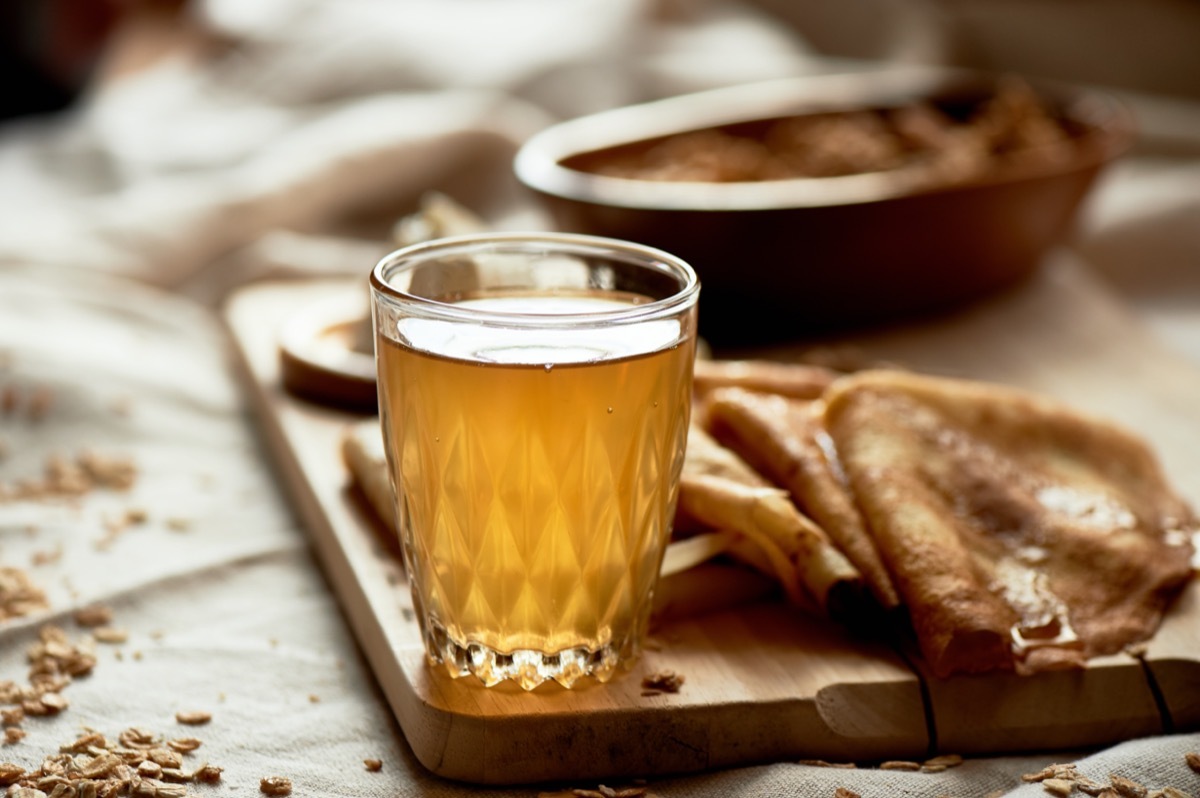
[538,485]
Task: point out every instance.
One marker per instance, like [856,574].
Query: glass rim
[551,243]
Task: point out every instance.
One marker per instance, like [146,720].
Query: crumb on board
[659,682]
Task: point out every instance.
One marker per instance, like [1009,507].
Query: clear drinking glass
[534,391]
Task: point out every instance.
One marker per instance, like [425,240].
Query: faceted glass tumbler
[534,391]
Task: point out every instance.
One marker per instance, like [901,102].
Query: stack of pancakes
[1010,531]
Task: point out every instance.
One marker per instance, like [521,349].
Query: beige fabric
[198,178]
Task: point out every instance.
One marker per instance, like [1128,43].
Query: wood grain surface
[763,682]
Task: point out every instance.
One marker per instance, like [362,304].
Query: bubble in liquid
[549,367]
[610,410]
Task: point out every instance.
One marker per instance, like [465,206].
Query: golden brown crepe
[362,451]
[1019,533]
[721,492]
[784,440]
[797,380]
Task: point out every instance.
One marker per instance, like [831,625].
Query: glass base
[526,667]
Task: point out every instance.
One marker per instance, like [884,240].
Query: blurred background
[195,145]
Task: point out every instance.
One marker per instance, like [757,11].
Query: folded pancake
[784,440]
[720,491]
[362,451]
[797,380]
[1019,533]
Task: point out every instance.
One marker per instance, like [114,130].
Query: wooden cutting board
[764,683]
